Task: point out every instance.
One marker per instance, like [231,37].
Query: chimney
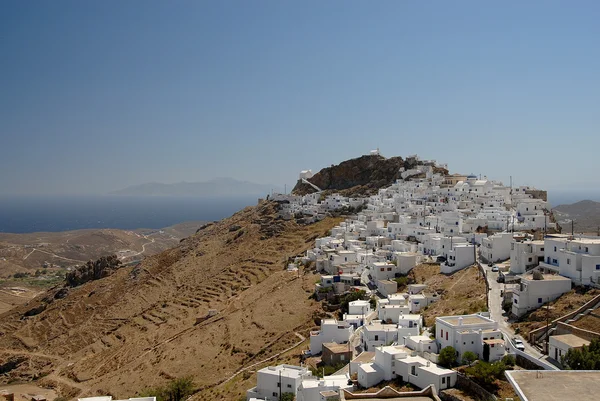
[460,320]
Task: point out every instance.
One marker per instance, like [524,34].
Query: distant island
[214,187]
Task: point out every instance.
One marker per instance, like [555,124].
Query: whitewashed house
[532,293]
[331,331]
[470,333]
[397,362]
[273,381]
[525,255]
[496,247]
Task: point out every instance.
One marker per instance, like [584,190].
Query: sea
[27,214]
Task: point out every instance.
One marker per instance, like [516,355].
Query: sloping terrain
[566,303]
[462,292]
[138,328]
[361,176]
[21,253]
[586,214]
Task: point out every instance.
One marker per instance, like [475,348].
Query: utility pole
[547,324]
[572,227]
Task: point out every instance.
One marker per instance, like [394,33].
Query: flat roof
[494,341]
[365,356]
[547,277]
[571,340]
[466,319]
[335,347]
[555,385]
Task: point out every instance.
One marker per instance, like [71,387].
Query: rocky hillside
[142,326]
[586,214]
[360,176]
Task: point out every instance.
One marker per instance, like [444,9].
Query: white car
[519,344]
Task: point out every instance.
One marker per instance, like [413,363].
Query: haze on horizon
[98,96]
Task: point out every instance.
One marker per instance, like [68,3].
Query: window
[275,394]
[443,380]
[541,249]
[389,269]
[539,300]
[554,249]
[413,371]
[597,267]
[530,259]
[342,357]
[568,261]
[446,336]
[278,384]
[376,338]
[586,249]
[382,269]
[289,386]
[516,301]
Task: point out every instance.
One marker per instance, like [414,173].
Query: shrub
[509,360]
[447,357]
[176,390]
[468,358]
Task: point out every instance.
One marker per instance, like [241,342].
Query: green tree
[447,357]
[585,358]
[176,390]
[287,397]
[486,373]
[508,360]
[468,358]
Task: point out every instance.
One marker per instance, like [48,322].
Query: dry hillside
[561,306]
[462,292]
[137,328]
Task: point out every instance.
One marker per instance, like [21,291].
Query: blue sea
[63,213]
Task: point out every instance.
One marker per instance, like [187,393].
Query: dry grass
[462,292]
[137,328]
[565,304]
[588,322]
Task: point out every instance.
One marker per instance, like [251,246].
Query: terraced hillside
[138,328]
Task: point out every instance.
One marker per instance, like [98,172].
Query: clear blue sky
[99,95]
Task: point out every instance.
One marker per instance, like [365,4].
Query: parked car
[490,264]
[519,344]
[495,268]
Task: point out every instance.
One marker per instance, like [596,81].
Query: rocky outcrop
[103,267]
[365,174]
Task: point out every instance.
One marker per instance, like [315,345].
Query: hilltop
[364,175]
[138,327]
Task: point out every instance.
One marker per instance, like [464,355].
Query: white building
[397,362]
[459,257]
[496,247]
[331,331]
[559,345]
[525,255]
[532,293]
[469,333]
[273,381]
[311,387]
[377,333]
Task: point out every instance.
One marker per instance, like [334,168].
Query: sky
[99,95]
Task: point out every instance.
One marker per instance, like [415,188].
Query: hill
[586,214]
[138,327]
[31,262]
[215,187]
[360,176]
